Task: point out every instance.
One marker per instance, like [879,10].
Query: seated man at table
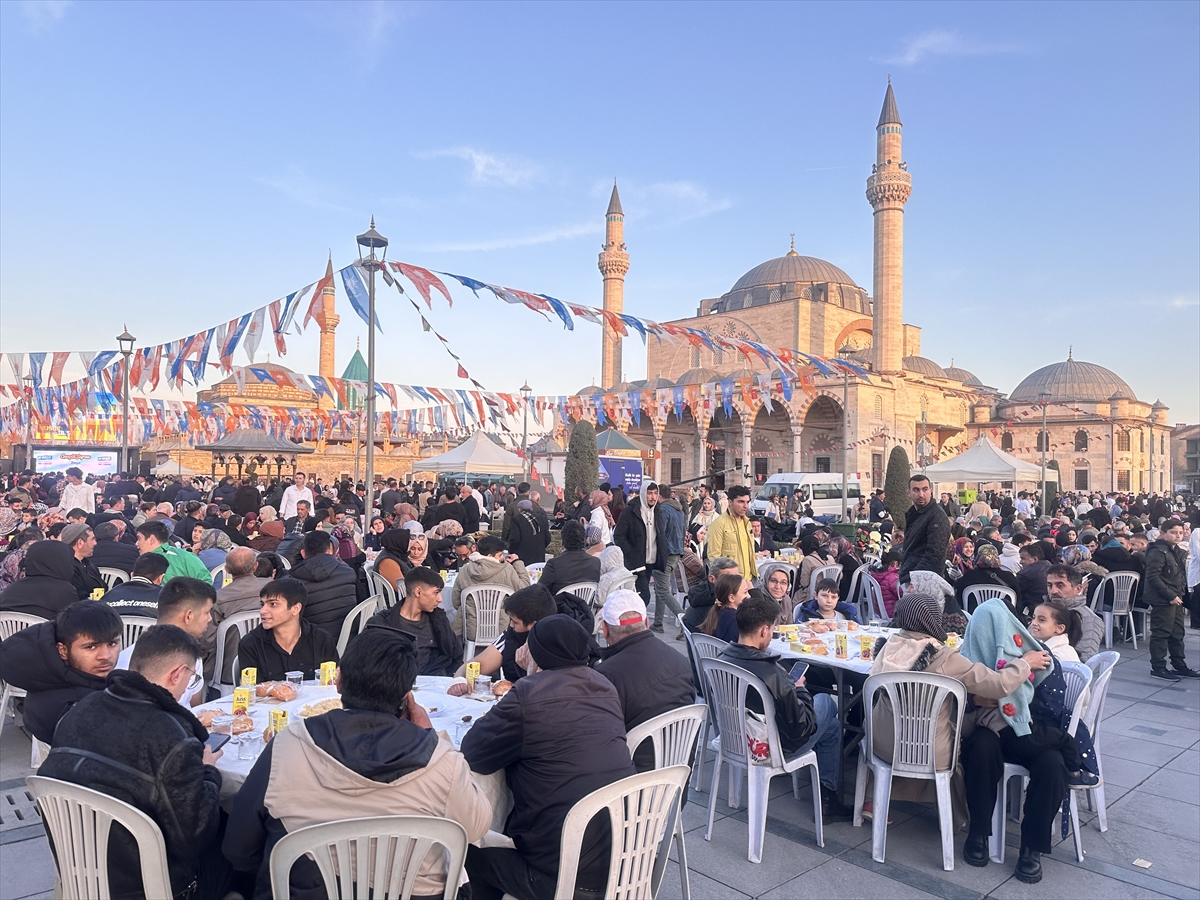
[110,552]
[284,642]
[139,595]
[650,677]
[239,594]
[59,663]
[503,658]
[559,735]
[133,741]
[701,595]
[332,585]
[376,756]
[185,603]
[153,537]
[804,722]
[574,564]
[420,616]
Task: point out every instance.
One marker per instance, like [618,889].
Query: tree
[583,461]
[895,485]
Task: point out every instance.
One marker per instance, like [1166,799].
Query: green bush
[583,462]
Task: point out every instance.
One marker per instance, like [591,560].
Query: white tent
[170,467]
[985,463]
[477,455]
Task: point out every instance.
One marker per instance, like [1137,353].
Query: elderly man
[240,594]
[926,531]
[85,577]
[649,676]
[1064,585]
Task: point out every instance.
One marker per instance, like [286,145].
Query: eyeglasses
[196,680]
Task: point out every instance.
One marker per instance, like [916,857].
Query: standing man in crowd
[730,535]
[639,535]
[293,494]
[1166,586]
[674,530]
[76,494]
[926,532]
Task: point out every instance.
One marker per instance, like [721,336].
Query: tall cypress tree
[895,485]
[583,461]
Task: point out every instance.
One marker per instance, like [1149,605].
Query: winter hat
[995,638]
[72,533]
[593,536]
[559,642]
[524,504]
[1074,554]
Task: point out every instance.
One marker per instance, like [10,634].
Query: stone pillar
[701,451]
[659,429]
[797,431]
[614,264]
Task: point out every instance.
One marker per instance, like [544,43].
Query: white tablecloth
[853,662]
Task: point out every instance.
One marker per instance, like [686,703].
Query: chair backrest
[628,583]
[642,811]
[380,856]
[78,821]
[1102,665]
[1078,676]
[244,623]
[283,561]
[132,628]
[355,621]
[534,570]
[113,576]
[1124,585]
[980,593]
[855,578]
[916,699]
[788,552]
[487,600]
[681,574]
[702,646]
[871,559]
[219,576]
[870,600]
[833,573]
[383,588]
[726,689]
[673,734]
[587,591]
[12,622]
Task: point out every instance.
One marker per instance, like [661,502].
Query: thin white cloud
[42,14]
[300,187]
[489,168]
[948,43]
[566,232]
[666,203]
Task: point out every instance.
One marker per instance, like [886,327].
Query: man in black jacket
[420,616]
[1166,586]
[59,663]
[926,532]
[559,734]
[639,534]
[139,595]
[804,722]
[133,741]
[448,507]
[109,552]
[529,533]
[574,564]
[332,585]
[470,509]
[85,577]
[649,676]
[285,642]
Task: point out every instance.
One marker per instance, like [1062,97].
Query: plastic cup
[460,732]
[843,625]
[295,679]
[222,725]
[483,685]
[250,745]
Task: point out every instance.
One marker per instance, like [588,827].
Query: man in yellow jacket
[730,534]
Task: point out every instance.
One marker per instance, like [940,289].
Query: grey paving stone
[701,887]
[1176,785]
[1172,817]
[838,878]
[1072,882]
[1153,712]
[724,858]
[1136,749]
[917,845]
[26,869]
[1124,772]
[1188,761]
[1174,858]
[1173,733]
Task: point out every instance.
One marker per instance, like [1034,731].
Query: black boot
[1029,866]
[975,850]
[832,808]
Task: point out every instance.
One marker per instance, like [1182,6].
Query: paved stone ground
[1150,743]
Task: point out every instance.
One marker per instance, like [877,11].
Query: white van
[820,490]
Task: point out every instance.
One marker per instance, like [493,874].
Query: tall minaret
[614,263]
[326,366]
[887,191]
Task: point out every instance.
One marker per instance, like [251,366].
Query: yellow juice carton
[279,720]
[328,673]
[241,701]
[841,645]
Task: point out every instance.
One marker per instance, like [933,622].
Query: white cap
[623,608]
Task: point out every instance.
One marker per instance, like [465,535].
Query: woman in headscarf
[214,545]
[249,526]
[847,557]
[405,513]
[270,533]
[601,518]
[8,524]
[371,538]
[612,572]
[707,514]
[393,563]
[1079,557]
[268,514]
[10,566]
[963,558]
[441,542]
[987,571]
[418,544]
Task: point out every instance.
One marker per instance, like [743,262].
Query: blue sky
[172,165]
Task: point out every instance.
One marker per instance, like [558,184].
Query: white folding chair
[383,588]
[702,646]
[872,559]
[1078,678]
[380,857]
[870,601]
[856,578]
[916,699]
[1102,665]
[219,576]
[642,811]
[980,593]
[132,628]
[243,624]
[728,689]
[673,735]
[534,570]
[356,621]
[487,599]
[10,624]
[1124,588]
[113,576]
[587,591]
[78,821]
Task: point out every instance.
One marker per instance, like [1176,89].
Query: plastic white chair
[673,735]
[78,821]
[355,621]
[380,856]
[1102,665]
[872,560]
[534,570]
[981,593]
[870,601]
[642,811]
[243,623]
[219,576]
[587,591]
[728,688]
[10,624]
[702,646]
[916,699]
[628,583]
[788,552]
[1078,678]
[283,561]
[113,576]
[132,628]
[856,578]
[1124,587]
[487,600]
[383,588]
[833,573]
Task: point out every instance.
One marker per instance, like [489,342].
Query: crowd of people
[296,553]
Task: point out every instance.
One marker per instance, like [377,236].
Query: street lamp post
[845,352]
[526,390]
[1044,398]
[29,423]
[125,343]
[371,240]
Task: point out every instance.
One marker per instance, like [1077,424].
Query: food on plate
[500,688]
[206,716]
[242,724]
[852,626]
[277,690]
[320,707]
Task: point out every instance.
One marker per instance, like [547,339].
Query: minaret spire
[326,366]
[614,264]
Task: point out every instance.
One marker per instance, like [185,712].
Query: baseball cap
[623,608]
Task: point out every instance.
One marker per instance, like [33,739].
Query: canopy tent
[477,455]
[170,467]
[253,440]
[985,463]
[611,442]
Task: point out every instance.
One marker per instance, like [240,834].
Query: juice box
[97,594]
[841,645]
[328,673]
[249,677]
[472,672]
[952,640]
[241,700]
[867,644]
[279,720]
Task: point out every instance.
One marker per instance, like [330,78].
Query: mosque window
[1123,443]
[1122,479]
[676,469]
[1043,441]
[775,295]
[1006,441]
[1142,441]
[1162,444]
[878,407]
[1081,440]
[1081,480]
[695,359]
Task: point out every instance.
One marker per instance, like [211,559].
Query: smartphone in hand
[215,742]
[798,671]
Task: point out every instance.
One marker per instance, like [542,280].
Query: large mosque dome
[788,278]
[789,269]
[1071,379]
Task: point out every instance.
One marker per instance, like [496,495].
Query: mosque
[1099,435]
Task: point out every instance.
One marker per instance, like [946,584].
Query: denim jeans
[827,740]
[664,591]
